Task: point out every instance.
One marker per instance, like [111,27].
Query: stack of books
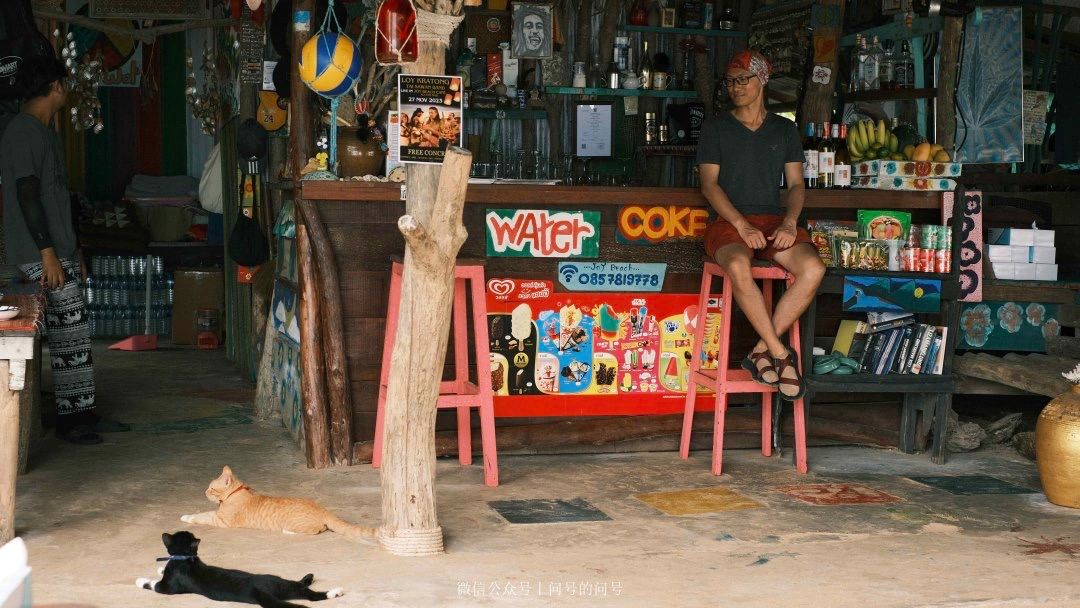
[892,343]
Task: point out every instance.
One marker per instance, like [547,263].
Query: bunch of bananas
[866,141]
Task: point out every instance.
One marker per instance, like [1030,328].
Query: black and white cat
[184,572]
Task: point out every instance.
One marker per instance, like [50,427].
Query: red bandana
[754,62]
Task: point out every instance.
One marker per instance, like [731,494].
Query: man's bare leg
[735,259]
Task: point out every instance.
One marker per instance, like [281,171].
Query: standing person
[742,155]
[40,239]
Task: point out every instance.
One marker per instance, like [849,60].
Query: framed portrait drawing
[532,33]
[667,17]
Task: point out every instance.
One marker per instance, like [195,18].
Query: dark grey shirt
[751,162]
[27,148]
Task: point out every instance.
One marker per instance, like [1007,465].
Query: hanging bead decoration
[84,77]
[205,105]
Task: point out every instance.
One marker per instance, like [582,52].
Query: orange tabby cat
[241,507]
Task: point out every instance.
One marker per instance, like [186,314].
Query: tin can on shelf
[941,260]
[914,235]
[907,259]
[928,237]
[925,260]
[945,238]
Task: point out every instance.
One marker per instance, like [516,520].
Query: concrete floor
[93,517]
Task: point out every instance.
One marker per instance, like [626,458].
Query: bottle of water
[88,291]
[91,319]
[170,284]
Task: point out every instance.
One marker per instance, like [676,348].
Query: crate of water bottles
[116,294]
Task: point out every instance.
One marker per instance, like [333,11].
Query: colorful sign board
[519,290]
[611,276]
[888,294]
[541,233]
[649,225]
[634,348]
[432,105]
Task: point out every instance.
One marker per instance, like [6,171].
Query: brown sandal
[782,364]
[751,364]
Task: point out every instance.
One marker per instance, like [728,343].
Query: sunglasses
[737,80]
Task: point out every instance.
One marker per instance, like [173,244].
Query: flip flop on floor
[82,434]
[782,365]
[757,372]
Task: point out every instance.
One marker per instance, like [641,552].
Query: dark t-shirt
[751,162]
[27,148]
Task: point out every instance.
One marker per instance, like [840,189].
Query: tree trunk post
[945,114]
[433,232]
[312,383]
[828,20]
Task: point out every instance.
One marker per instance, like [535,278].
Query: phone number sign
[611,276]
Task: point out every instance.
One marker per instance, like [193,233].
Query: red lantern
[395,32]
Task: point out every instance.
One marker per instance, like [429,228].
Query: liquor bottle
[858,69]
[887,70]
[842,170]
[826,156]
[810,158]
[646,68]
[905,67]
[872,71]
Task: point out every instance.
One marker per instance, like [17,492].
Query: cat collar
[176,558]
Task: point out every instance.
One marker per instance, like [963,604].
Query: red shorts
[721,233]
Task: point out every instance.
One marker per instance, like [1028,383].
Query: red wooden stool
[460,393]
[725,381]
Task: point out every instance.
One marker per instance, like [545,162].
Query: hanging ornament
[330,64]
[395,33]
[84,77]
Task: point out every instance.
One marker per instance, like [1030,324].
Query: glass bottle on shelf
[395,32]
[842,169]
[639,14]
[646,72]
[858,65]
[810,158]
[613,76]
[872,71]
[826,156]
[686,75]
[905,67]
[887,69]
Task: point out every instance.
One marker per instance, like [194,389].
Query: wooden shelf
[893,95]
[621,92]
[683,31]
[508,114]
[897,30]
[885,383]
[381,192]
[669,150]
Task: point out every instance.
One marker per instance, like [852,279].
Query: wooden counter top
[515,194]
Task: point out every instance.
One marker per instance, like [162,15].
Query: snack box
[904,183]
[905,168]
[1046,272]
[1024,237]
[1042,255]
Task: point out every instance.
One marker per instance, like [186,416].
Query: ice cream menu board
[629,352]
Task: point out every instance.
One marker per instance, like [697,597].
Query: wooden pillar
[301,121]
[944,113]
[9,452]
[433,233]
[827,19]
[312,381]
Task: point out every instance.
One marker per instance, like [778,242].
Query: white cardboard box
[1020,254]
[999,253]
[1043,238]
[1042,255]
[1024,237]
[1046,272]
[1024,272]
[1004,270]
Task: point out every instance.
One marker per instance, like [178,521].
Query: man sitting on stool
[742,155]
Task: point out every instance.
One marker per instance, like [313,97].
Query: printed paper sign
[1035,105]
[649,225]
[822,74]
[541,233]
[519,290]
[611,276]
[630,346]
[432,107]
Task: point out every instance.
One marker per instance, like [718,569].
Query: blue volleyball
[330,64]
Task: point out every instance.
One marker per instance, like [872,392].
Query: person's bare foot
[790,384]
[760,365]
